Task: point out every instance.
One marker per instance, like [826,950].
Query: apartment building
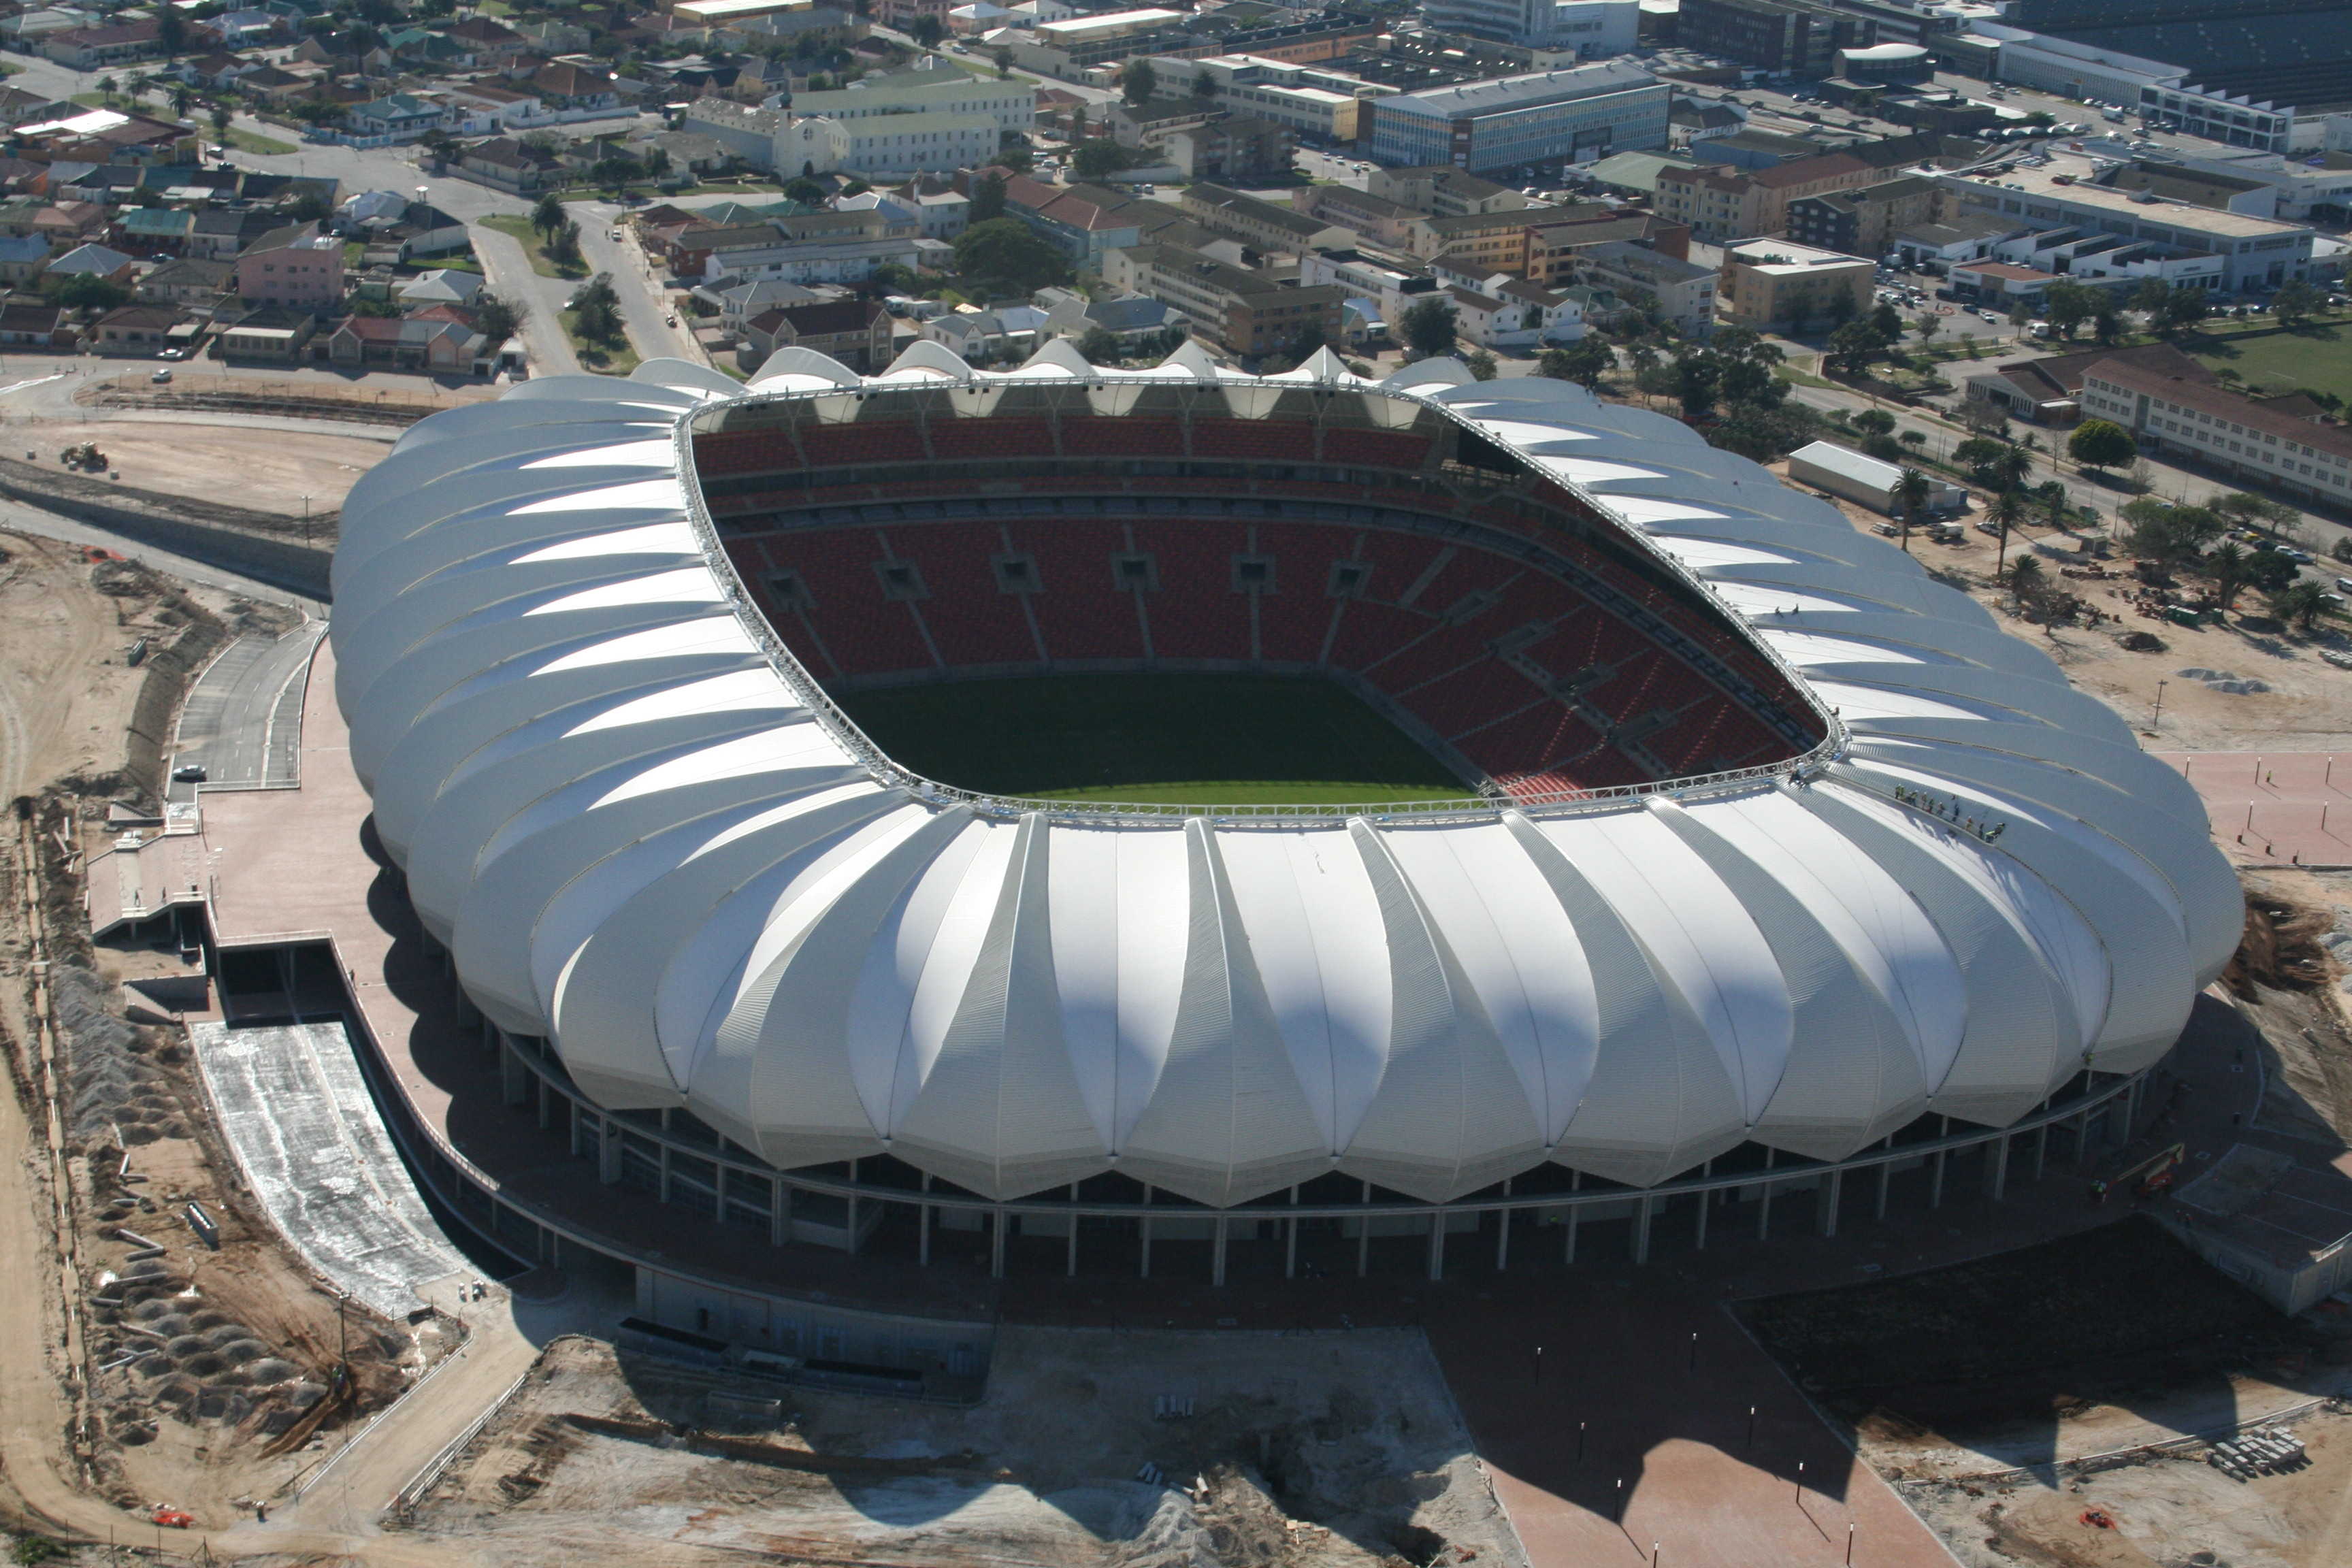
[1443,191]
[295,268]
[2279,445]
[1316,103]
[1240,309]
[1261,224]
[1797,37]
[930,86]
[1768,283]
[1864,221]
[1684,290]
[887,146]
[1721,203]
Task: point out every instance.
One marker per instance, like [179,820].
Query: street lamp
[2156,719]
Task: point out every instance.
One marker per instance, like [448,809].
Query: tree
[2006,512]
[2184,307]
[2166,532]
[1139,83]
[1853,347]
[1100,157]
[1204,86]
[596,313]
[107,87]
[2151,296]
[220,119]
[804,190]
[548,216]
[1428,327]
[927,31]
[2068,305]
[563,246]
[2301,605]
[1875,422]
[1696,376]
[1583,361]
[2231,571]
[495,320]
[2101,443]
[1928,325]
[172,31]
[1100,346]
[181,96]
[1482,364]
[1885,321]
[1003,59]
[2055,505]
[2272,517]
[88,291]
[2106,324]
[896,276]
[2296,303]
[1911,493]
[1006,255]
[1798,307]
[2027,583]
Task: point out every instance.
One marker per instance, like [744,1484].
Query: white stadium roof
[646,836]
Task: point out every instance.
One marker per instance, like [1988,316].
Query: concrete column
[1290,1249]
[1073,1269]
[852,1224]
[1146,1222]
[546,1106]
[923,1228]
[572,1115]
[1831,1194]
[1699,1235]
[1364,1235]
[780,1212]
[2081,1140]
[718,1190]
[1764,1201]
[513,1077]
[2040,1150]
[996,1244]
[1885,1179]
[1437,1244]
[608,1150]
[1936,1182]
[1217,1260]
[1503,1232]
[1642,1229]
[1575,1212]
[665,1173]
[1997,1169]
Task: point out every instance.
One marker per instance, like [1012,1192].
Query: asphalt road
[242,722]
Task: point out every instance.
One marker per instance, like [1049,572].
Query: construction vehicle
[172,1518]
[85,456]
[2149,1178]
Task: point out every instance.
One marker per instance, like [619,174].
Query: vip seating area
[1502,624]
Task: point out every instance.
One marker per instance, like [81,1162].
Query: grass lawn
[1182,739]
[254,142]
[519,229]
[2319,358]
[605,360]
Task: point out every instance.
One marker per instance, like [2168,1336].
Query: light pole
[2156,719]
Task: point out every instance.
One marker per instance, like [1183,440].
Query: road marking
[37,381]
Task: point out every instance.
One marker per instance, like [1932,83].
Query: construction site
[324,1265]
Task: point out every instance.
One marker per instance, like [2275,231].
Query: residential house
[295,268]
[92,261]
[268,333]
[215,71]
[1443,192]
[400,117]
[68,224]
[737,302]
[143,330]
[856,332]
[567,85]
[278,86]
[153,231]
[96,48]
[489,45]
[441,287]
[35,324]
[1130,318]
[1684,290]
[217,234]
[440,347]
[509,165]
[1501,312]
[1376,218]
[22,258]
[1005,332]
[186,282]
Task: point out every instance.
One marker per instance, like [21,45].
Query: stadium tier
[1784,850]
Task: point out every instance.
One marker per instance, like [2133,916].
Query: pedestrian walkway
[2274,808]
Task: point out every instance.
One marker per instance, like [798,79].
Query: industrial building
[1574,115]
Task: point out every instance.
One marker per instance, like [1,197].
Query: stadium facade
[1783,861]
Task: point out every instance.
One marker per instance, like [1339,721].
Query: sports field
[1178,738]
[2317,358]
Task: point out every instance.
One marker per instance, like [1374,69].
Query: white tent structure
[648,839]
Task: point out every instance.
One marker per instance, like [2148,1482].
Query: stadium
[1043,817]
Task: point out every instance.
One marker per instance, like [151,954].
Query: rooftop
[2045,183]
[2206,397]
[1520,92]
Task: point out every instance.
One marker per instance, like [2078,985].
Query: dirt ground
[1298,1451]
[2308,705]
[2173,1511]
[262,470]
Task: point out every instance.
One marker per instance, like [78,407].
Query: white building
[930,86]
[1574,115]
[2255,252]
[746,132]
[1590,29]
[1321,105]
[887,146]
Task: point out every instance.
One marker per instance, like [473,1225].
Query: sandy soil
[267,471]
[1322,1451]
[66,686]
[2163,1513]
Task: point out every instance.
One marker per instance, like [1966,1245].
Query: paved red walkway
[2274,807]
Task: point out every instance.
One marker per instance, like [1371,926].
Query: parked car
[160,377]
[188,773]
[172,354]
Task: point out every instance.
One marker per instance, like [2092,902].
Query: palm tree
[2025,580]
[2229,566]
[2301,603]
[2010,469]
[1911,492]
[2056,504]
[2007,511]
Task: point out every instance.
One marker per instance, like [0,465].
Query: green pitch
[1176,739]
